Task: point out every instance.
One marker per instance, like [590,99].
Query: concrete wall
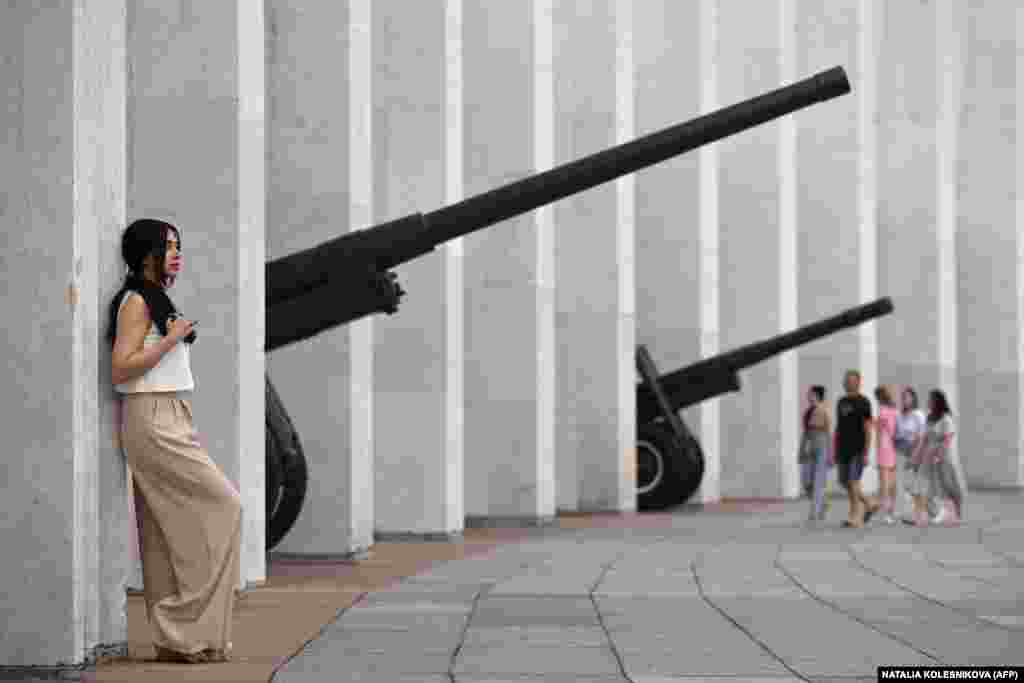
[988,243]
[417,363]
[509,376]
[827,196]
[63,170]
[670,197]
[320,185]
[195,158]
[593,235]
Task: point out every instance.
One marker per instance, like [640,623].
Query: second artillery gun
[349,277]
[670,462]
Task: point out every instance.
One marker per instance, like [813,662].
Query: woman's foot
[216,655]
[952,517]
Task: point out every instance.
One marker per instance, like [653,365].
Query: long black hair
[939,407]
[909,391]
[147,237]
[819,392]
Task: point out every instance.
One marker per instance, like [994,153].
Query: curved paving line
[1005,562]
[916,541]
[465,629]
[970,615]
[600,619]
[961,572]
[738,625]
[323,629]
[840,610]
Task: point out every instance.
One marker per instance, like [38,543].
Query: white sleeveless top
[172,373]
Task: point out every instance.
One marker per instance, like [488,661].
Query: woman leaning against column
[189,513]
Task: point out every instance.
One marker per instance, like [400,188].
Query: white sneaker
[889,519]
[937,519]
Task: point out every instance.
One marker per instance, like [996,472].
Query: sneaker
[889,520]
[939,518]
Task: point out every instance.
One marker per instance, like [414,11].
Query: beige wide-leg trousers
[189,518]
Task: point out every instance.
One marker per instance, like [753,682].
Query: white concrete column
[623,468]
[320,179]
[710,424]
[948,54]
[676,200]
[509,372]
[867,89]
[828,254]
[195,109]
[415,443]
[909,99]
[989,239]
[63,171]
[1018,442]
[755,226]
[595,292]
[789,399]
[455,328]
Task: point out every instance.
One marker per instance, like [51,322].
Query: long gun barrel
[345,278]
[718,375]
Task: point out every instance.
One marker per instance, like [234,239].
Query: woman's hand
[178,329]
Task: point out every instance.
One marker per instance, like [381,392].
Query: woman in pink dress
[885,451]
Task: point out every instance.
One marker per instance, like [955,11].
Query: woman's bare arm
[130,359]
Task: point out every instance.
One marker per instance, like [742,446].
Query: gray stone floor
[714,596]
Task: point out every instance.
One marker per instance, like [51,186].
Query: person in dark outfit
[853,426]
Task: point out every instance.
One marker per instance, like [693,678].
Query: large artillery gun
[349,277]
[670,461]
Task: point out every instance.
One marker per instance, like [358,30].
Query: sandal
[168,656]
[216,655]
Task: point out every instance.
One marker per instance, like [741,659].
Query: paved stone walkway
[744,596]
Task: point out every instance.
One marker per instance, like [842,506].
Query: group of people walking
[920,478]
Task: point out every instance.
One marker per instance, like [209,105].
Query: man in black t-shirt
[853,429]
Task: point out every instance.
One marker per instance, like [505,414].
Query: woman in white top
[910,428]
[938,473]
[189,513]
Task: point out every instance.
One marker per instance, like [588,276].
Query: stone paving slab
[738,596]
[536,635]
[313,675]
[816,640]
[367,619]
[549,678]
[526,659]
[711,679]
[682,637]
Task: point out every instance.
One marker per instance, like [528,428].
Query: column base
[508,522]
[66,672]
[417,536]
[357,554]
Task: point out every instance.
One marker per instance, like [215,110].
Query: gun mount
[670,462]
[349,277]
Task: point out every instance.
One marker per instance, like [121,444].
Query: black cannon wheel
[666,474]
[287,472]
